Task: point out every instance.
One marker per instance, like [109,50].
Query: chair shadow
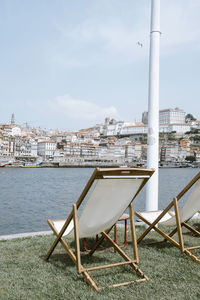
[196,226]
[155,243]
[86,259]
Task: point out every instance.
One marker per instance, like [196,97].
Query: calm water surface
[28,197]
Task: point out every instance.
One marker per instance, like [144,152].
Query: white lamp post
[153,107]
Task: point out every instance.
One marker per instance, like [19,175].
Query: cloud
[111,35]
[81,110]
[105,37]
[107,33]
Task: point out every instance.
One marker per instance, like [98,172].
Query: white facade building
[175,153]
[46,148]
[134,129]
[16,131]
[170,116]
[178,128]
[34,146]
[113,129]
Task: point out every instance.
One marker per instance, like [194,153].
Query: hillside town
[112,143]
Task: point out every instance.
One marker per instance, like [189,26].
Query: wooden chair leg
[58,235]
[178,224]
[133,233]
[77,242]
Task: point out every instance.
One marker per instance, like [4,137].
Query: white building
[16,131]
[133,151]
[170,116]
[34,146]
[46,148]
[137,128]
[175,153]
[140,128]
[167,116]
[58,155]
[112,153]
[113,129]
[178,128]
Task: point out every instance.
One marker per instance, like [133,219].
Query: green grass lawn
[25,275]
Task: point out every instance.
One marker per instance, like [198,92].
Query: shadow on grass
[104,277]
[156,244]
[67,261]
[99,257]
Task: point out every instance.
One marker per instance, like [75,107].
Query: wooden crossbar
[194,247]
[123,254]
[126,283]
[109,266]
[191,228]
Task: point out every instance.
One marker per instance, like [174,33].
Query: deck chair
[108,193]
[179,218]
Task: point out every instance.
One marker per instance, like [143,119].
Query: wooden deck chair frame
[76,257]
[179,224]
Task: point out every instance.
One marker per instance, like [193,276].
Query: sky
[69,64]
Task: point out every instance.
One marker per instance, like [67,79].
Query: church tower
[13,119]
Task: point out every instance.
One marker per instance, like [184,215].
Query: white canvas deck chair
[179,219]
[109,193]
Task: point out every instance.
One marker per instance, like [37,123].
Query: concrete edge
[23,235]
[31,234]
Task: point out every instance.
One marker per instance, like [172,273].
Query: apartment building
[4,146]
[133,152]
[173,153]
[46,148]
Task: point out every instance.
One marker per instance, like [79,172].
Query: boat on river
[5,161]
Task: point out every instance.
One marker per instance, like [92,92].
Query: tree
[190,158]
[189,117]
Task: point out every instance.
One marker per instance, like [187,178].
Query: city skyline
[12,121]
[70,65]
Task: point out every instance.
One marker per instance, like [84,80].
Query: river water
[29,196]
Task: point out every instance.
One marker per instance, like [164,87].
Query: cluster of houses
[111,143]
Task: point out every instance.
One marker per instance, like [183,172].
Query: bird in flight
[139,44]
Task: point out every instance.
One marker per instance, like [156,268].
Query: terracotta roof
[133,126]
[47,141]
